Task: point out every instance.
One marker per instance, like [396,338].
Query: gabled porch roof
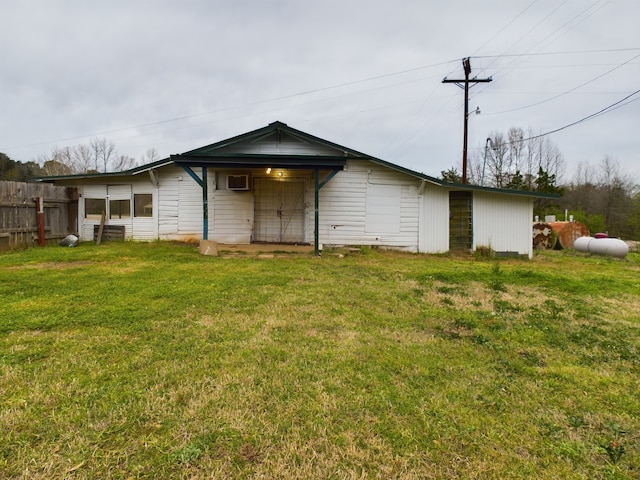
[277,146]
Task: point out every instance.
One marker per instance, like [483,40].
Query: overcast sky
[177,75]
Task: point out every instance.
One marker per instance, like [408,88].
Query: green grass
[151,361]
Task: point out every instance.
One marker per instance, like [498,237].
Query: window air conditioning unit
[238,182]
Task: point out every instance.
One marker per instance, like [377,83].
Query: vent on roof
[238,182]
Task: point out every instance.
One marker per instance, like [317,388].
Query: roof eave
[261,161]
[125,173]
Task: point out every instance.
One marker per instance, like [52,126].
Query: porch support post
[316,189]
[205,198]
[317,186]
[205,205]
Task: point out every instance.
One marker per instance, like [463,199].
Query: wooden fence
[19,216]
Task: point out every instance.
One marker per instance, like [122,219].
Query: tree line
[603,196]
[97,156]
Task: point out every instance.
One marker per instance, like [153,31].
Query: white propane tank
[602,246]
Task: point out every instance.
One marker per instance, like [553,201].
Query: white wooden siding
[170,180]
[190,208]
[137,228]
[145,228]
[503,222]
[234,217]
[354,210]
[86,224]
[279,144]
[382,211]
[366,204]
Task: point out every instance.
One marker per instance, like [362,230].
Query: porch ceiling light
[268,170]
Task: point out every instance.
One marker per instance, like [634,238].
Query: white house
[280,185]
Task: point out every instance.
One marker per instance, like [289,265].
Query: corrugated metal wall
[503,223]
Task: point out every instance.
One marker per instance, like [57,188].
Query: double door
[279,210]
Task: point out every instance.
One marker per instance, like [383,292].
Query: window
[142,205]
[119,209]
[93,208]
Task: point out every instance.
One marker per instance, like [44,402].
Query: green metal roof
[125,173]
[213,155]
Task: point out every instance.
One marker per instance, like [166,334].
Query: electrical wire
[583,12]
[234,107]
[567,91]
[576,24]
[603,111]
[505,27]
[562,52]
[524,36]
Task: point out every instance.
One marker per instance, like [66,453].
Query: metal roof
[213,155]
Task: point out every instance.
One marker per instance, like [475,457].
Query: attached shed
[281,185]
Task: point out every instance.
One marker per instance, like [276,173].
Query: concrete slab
[265,250]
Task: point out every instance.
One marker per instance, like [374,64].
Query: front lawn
[131,360]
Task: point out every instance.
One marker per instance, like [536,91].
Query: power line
[558,7]
[564,52]
[234,107]
[584,12]
[567,91]
[317,90]
[603,111]
[505,27]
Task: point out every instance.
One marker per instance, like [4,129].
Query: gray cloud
[364,74]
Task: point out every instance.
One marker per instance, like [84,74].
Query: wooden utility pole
[464,84]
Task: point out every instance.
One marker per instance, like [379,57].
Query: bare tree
[99,156]
[516,146]
[102,152]
[495,170]
[616,188]
[515,159]
[604,196]
[584,174]
[63,155]
[82,159]
[122,162]
[150,156]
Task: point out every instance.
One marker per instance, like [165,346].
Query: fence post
[40,209]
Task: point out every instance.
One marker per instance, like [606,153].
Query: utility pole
[464,84]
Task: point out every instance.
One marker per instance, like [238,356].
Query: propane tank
[602,246]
